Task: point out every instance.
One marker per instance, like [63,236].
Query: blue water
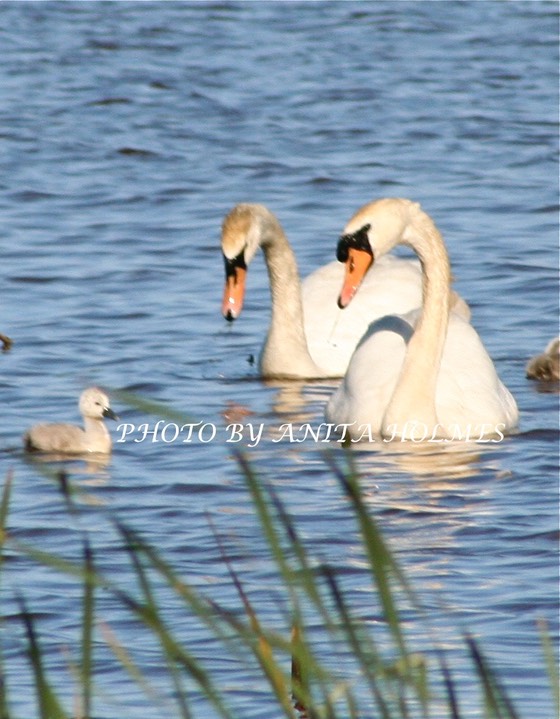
[128,130]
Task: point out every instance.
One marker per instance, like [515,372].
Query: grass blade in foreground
[496,704]
[382,563]
[49,707]
[398,687]
[551,664]
[87,631]
[4,507]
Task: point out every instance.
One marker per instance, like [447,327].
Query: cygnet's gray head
[94,403]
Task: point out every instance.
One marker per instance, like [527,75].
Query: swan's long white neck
[286,336]
[415,392]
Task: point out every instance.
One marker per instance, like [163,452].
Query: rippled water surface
[128,130]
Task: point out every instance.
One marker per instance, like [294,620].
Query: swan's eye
[360,239]
[342,249]
[357,240]
[238,262]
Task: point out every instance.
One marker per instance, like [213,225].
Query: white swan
[546,366]
[70,439]
[426,373]
[308,335]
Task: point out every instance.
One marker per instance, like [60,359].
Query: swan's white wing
[471,401]
[469,392]
[372,375]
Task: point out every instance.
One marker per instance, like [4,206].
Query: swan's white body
[425,374]
[71,439]
[470,400]
[309,336]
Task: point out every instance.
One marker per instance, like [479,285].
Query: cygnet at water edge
[546,366]
[70,439]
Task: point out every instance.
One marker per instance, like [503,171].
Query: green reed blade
[210,612]
[497,704]
[303,575]
[4,509]
[143,613]
[261,648]
[306,575]
[49,707]
[300,673]
[449,687]
[126,661]
[87,630]
[380,560]
[150,407]
[174,652]
[551,663]
[265,516]
[151,606]
[205,609]
[368,657]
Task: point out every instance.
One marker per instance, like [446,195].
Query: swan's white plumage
[458,393]
[470,399]
[309,336]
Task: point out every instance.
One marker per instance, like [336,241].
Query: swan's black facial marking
[357,240]
[232,265]
[236,270]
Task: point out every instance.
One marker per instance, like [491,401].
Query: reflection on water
[547,387]
[76,464]
[298,409]
[455,460]
[292,399]
[74,476]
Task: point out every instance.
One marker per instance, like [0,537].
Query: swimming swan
[546,366]
[308,335]
[424,374]
[70,439]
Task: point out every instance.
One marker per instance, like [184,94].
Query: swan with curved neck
[245,229]
[308,335]
[425,372]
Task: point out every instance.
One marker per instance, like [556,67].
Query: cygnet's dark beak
[109,414]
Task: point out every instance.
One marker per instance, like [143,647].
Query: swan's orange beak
[234,292]
[357,264]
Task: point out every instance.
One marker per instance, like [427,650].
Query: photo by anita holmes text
[251,434]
